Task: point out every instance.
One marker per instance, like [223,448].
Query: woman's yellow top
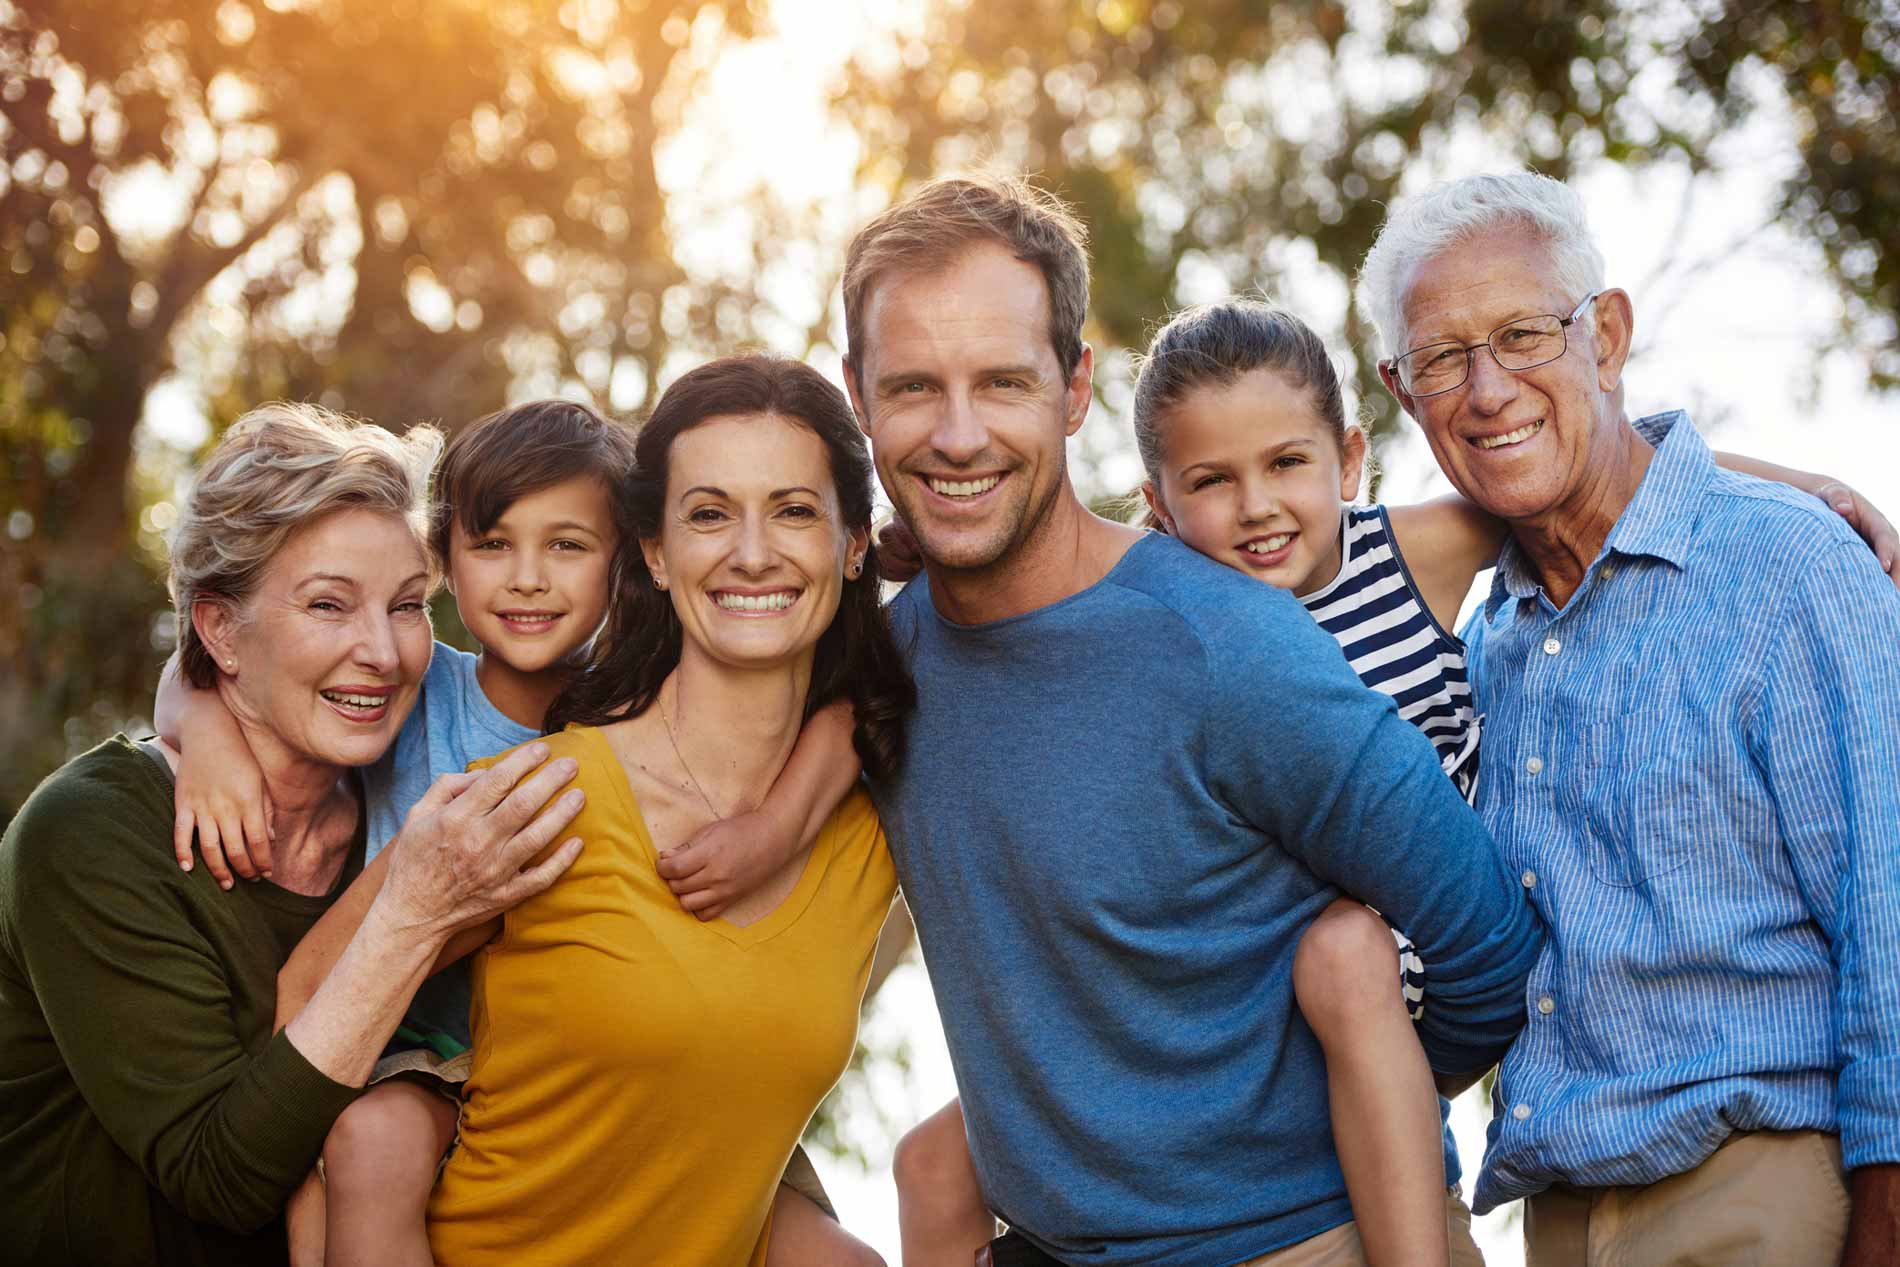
[640,1077]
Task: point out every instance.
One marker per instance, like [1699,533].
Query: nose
[1258,501]
[1491,386]
[528,573]
[376,649]
[959,435]
[752,552]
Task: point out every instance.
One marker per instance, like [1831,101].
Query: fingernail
[225,885]
[539,751]
[567,765]
[185,865]
[577,797]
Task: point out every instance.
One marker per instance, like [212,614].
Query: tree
[1253,139]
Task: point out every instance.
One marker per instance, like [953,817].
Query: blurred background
[422,209]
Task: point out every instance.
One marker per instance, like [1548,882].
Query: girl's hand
[221,798]
[726,860]
[898,556]
[1865,518]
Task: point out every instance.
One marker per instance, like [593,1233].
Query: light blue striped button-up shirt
[1694,768]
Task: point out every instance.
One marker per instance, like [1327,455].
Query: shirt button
[1530,879]
[1552,646]
[1605,572]
[1534,766]
[1520,1112]
[1545,1005]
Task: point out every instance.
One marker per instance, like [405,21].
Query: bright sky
[1729,337]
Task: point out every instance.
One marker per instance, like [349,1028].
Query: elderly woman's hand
[462,855]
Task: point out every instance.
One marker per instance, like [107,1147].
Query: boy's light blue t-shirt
[452,725]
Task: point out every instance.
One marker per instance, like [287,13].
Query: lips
[768,603]
[528,622]
[963,489]
[1268,551]
[358,703]
[1508,438]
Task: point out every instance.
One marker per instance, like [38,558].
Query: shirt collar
[1659,520]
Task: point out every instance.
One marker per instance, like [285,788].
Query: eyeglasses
[1518,345]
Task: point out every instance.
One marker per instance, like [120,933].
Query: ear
[217,628]
[1390,377]
[1081,391]
[1352,462]
[1615,330]
[857,545]
[656,564]
[1156,508]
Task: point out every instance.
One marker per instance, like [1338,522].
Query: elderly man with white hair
[1691,681]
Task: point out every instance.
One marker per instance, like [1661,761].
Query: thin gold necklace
[681,757]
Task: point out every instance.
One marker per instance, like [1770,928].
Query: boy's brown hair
[497,460]
[925,230]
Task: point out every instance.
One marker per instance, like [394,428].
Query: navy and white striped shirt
[1375,613]
[1692,769]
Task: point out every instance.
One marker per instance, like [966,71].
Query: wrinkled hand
[229,811]
[1865,518]
[897,553]
[463,853]
[724,861]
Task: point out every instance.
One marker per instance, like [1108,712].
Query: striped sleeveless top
[1376,614]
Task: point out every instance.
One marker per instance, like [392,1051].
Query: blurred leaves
[417,208]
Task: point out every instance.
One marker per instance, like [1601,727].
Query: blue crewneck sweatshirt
[1116,816]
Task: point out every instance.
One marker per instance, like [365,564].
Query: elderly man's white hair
[1456,211]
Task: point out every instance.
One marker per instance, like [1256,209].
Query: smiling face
[752,547]
[1528,446]
[329,652]
[1253,476]
[532,587]
[966,405]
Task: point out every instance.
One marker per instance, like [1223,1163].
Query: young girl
[1242,431]
[527,524]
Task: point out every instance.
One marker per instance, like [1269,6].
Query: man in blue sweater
[1134,779]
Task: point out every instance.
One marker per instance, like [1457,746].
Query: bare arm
[317,954]
[728,859]
[461,859]
[1445,543]
[1873,1229]
[221,795]
[1861,515]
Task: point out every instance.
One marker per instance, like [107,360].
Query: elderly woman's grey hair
[1455,211]
[277,469]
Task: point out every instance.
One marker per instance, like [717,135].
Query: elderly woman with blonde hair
[148,1113]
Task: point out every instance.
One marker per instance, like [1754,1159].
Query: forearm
[1873,1229]
[343,1028]
[1806,481]
[823,769]
[183,714]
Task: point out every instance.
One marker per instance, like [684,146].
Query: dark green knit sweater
[147,1114]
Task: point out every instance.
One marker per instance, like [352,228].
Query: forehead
[373,548]
[748,453]
[1259,408]
[984,306]
[1467,289]
[578,497]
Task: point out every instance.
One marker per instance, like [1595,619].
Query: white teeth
[355,701]
[964,488]
[1524,432]
[532,620]
[1270,544]
[756,602]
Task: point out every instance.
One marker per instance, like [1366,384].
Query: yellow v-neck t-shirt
[640,1077]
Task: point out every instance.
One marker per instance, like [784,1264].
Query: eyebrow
[316,578]
[1272,451]
[776,493]
[886,381]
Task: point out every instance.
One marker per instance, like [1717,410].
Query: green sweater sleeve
[127,967]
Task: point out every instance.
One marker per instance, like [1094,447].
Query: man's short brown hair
[924,231]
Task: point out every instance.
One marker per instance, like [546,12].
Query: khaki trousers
[1763,1199]
[1339,1246]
